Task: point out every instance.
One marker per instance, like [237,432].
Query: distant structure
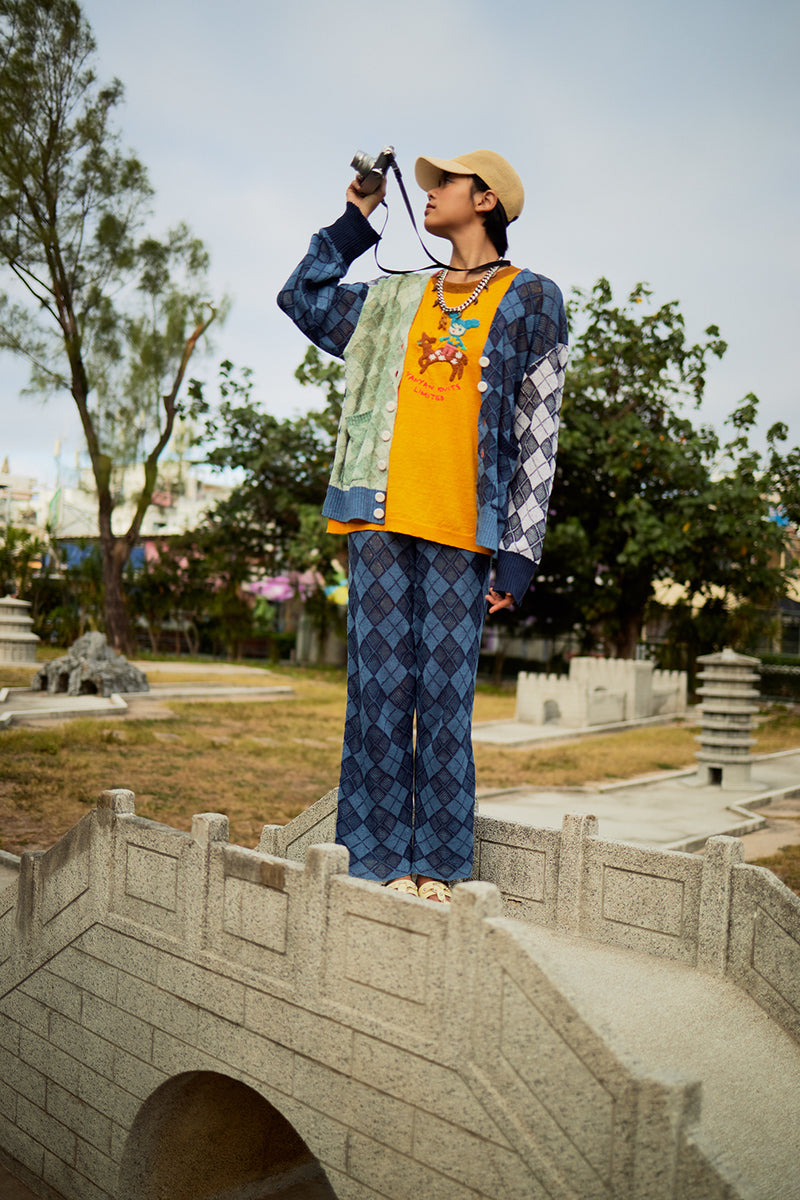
[180,502]
[90,667]
[17,640]
[18,499]
[729,702]
[600,691]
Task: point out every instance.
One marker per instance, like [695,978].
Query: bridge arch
[203,1135]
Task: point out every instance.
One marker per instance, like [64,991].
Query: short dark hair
[495,220]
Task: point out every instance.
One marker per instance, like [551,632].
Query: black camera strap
[502,262]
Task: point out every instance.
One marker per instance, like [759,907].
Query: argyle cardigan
[522,378]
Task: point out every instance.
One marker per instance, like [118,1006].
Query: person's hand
[499,600]
[366,203]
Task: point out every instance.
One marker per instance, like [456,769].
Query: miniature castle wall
[600,691]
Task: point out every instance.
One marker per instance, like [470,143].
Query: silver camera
[372,171]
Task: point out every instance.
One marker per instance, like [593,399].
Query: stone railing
[714,912]
[135,952]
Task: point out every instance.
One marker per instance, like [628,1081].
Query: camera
[372,171]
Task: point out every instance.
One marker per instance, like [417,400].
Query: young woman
[444,460]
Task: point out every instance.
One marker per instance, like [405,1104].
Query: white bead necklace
[481,284]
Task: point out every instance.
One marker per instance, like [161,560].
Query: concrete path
[519,734]
[670,810]
[21,706]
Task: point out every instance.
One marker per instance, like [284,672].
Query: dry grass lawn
[265,761]
[257,761]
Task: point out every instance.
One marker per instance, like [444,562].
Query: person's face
[451,205]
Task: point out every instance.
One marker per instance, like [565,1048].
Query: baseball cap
[492,168]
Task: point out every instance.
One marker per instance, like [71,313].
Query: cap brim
[428,171]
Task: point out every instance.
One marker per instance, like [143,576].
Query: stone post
[724,756]
[575,829]
[721,854]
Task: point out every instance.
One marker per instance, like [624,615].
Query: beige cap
[492,168]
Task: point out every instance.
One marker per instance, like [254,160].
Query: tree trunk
[118,626]
[152,636]
[192,638]
[499,661]
[627,637]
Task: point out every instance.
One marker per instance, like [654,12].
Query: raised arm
[324,309]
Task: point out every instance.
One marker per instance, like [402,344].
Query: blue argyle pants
[416,612]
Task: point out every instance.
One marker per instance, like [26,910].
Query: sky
[656,142]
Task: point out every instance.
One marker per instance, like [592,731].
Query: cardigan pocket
[358,451]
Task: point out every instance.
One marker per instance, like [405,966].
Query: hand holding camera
[367,202]
[369,187]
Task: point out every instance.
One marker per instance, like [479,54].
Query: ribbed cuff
[514,574]
[352,234]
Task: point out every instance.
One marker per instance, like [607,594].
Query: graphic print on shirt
[449,350]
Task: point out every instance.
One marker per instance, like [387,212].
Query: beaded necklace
[481,284]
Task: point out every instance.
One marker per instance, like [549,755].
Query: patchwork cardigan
[522,377]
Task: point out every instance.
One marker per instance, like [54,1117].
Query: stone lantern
[17,642]
[728,705]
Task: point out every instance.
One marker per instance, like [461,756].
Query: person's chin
[431,226]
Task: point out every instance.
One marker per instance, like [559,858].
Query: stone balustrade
[376,1044]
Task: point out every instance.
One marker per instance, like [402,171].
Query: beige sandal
[405,886]
[435,890]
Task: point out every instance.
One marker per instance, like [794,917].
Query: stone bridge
[183,1018]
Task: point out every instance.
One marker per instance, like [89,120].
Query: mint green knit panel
[374,363]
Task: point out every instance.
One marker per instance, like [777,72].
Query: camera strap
[502,262]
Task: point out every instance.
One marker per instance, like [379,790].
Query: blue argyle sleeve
[536,429]
[324,309]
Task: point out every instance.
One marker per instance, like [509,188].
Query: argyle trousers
[416,612]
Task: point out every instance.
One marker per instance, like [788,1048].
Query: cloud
[655,143]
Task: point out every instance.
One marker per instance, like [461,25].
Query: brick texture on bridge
[165,994]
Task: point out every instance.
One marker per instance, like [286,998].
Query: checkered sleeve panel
[325,310]
[536,430]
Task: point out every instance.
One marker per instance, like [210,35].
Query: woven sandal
[406,887]
[435,890]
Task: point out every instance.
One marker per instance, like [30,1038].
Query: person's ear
[485,201]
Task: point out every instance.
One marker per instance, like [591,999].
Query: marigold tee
[433,461]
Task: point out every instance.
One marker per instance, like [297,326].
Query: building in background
[19,496]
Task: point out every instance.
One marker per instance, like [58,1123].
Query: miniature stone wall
[411,1048]
[600,691]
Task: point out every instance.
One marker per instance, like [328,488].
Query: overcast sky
[656,142]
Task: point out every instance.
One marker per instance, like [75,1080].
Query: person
[444,459]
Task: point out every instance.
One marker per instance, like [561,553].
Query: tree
[272,522]
[95,304]
[21,554]
[194,586]
[273,514]
[642,495]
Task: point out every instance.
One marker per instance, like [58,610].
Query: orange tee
[433,461]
